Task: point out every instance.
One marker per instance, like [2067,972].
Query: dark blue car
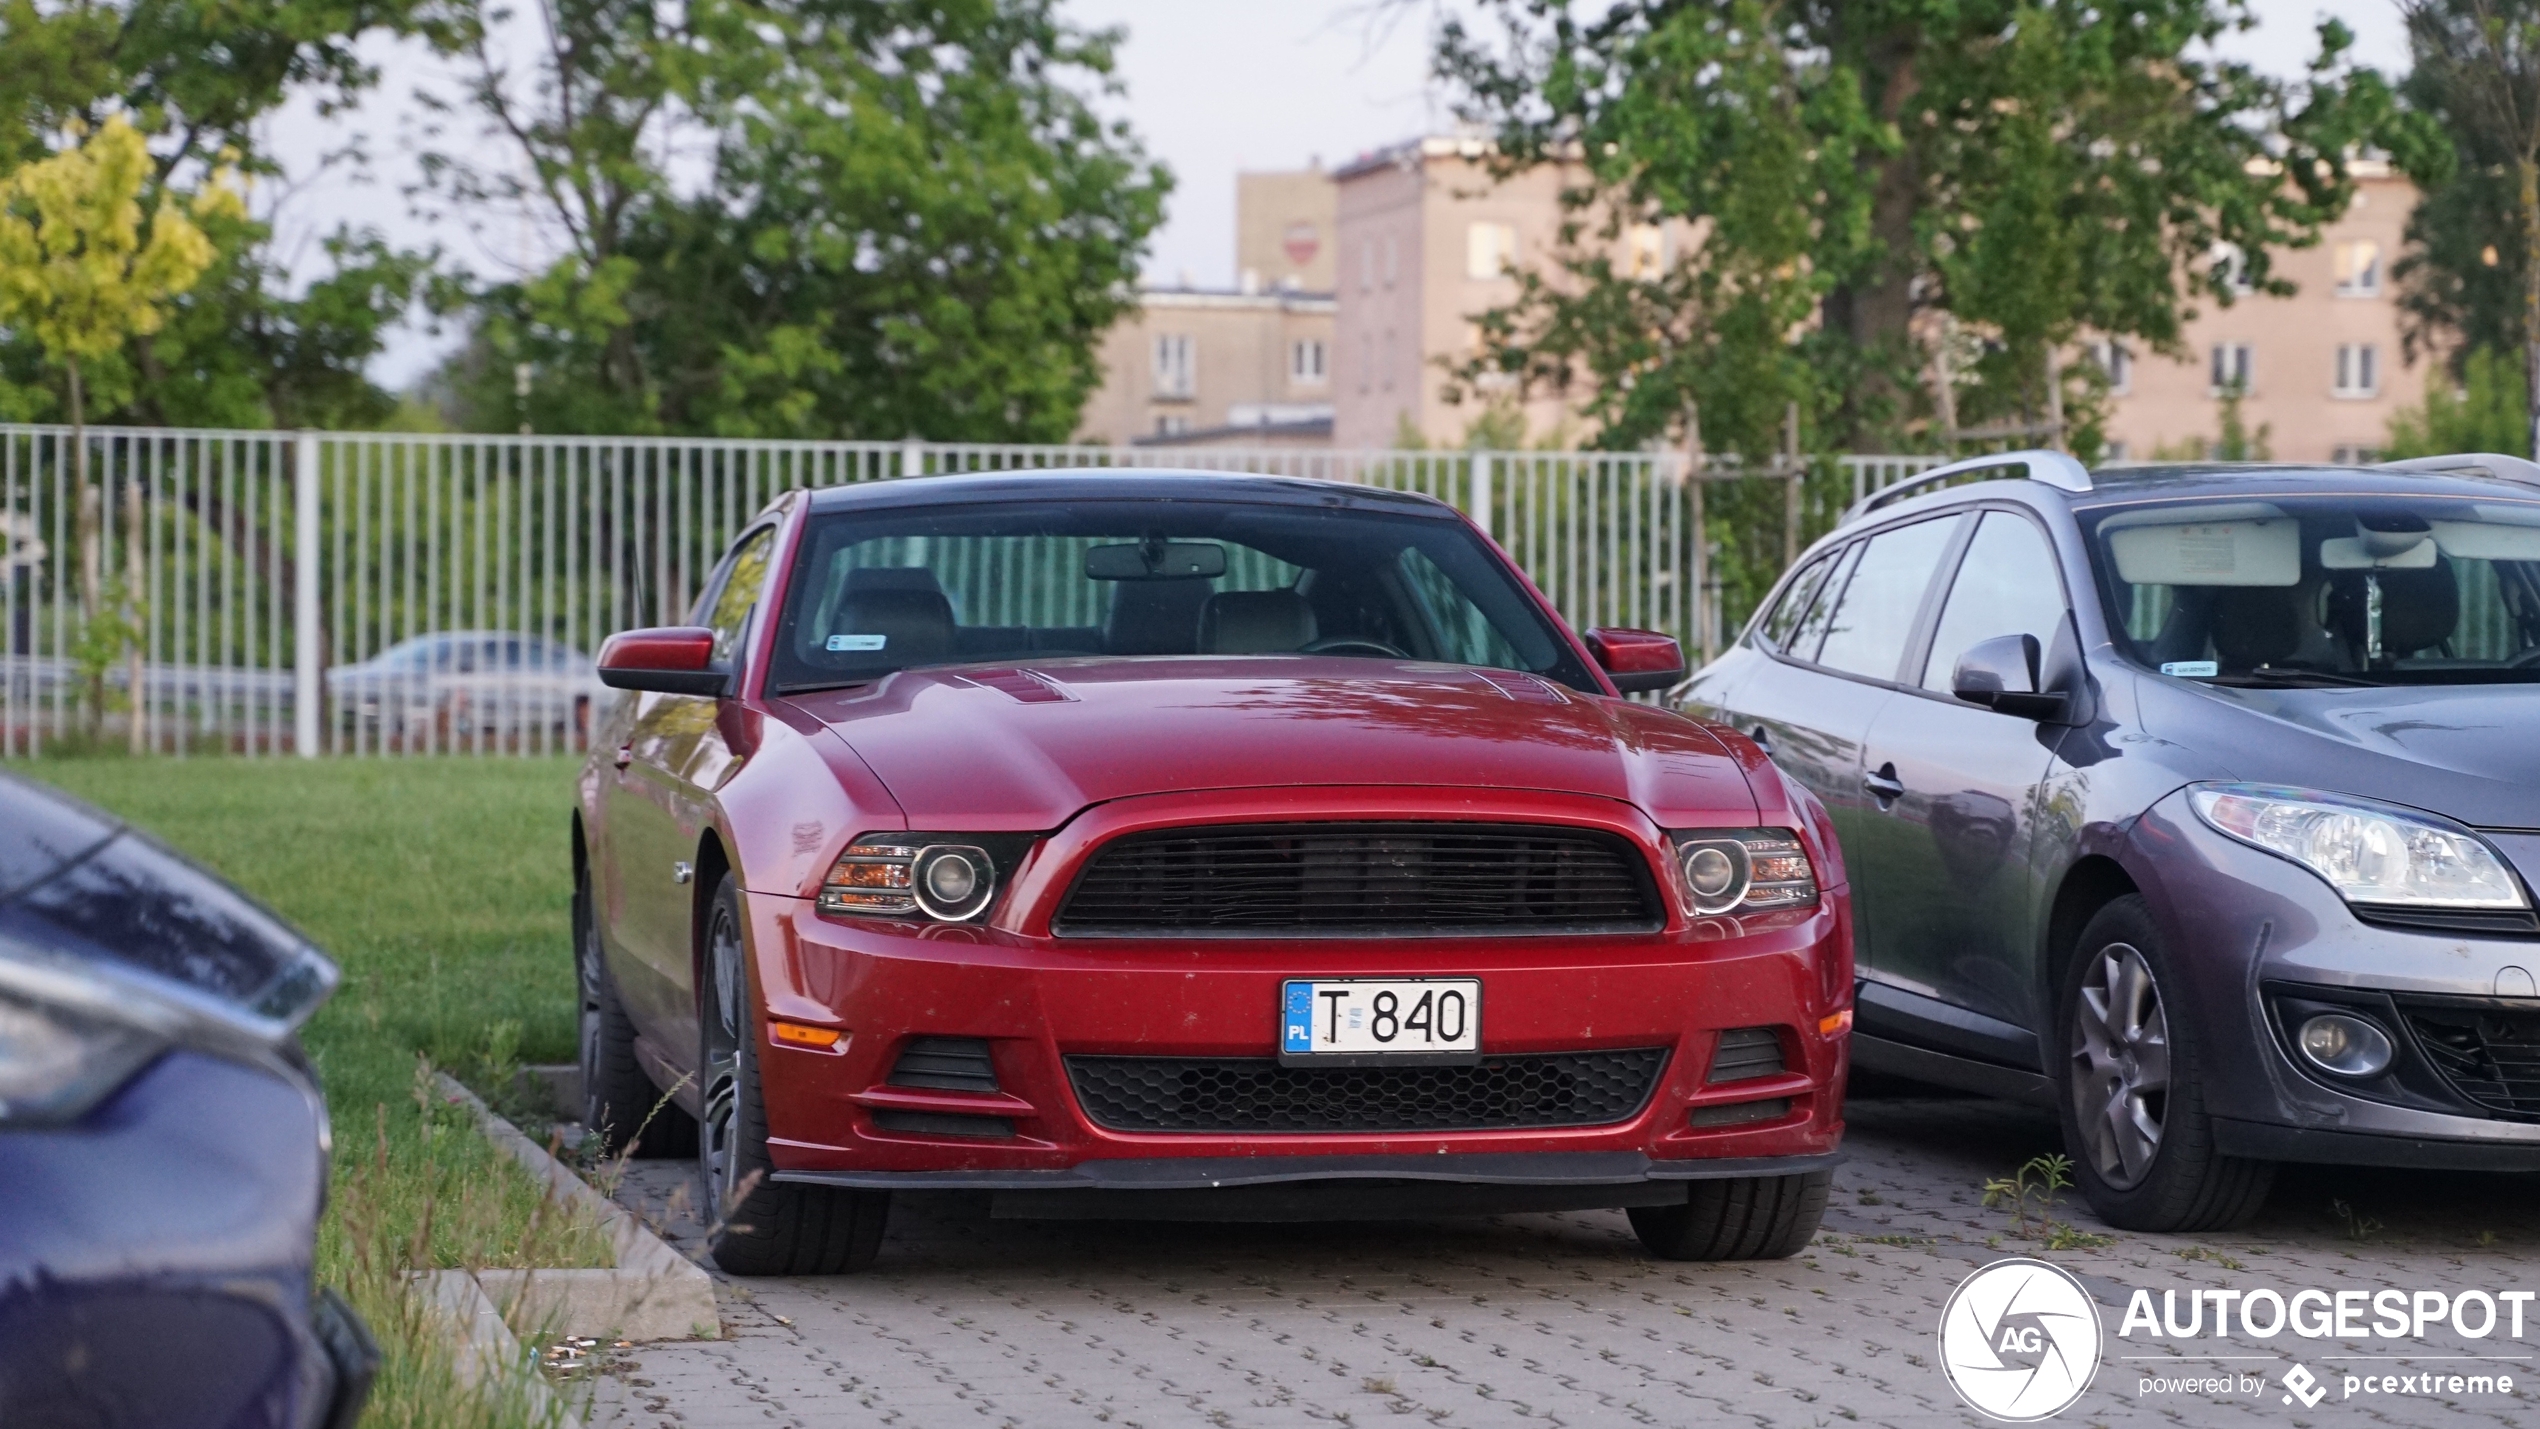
[163,1147]
[2199,803]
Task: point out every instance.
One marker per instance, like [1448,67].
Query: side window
[1875,614]
[1811,630]
[744,576]
[2007,585]
[1794,602]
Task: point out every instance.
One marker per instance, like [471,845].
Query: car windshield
[2325,590]
[878,591]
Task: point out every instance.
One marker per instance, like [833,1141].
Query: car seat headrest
[916,625]
[2418,608]
[2255,625]
[1256,622]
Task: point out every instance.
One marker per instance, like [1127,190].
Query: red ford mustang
[1191,846]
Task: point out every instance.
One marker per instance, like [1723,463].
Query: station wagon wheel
[2121,1063]
[2133,1085]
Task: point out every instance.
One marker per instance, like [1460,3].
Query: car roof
[1121,484]
[2116,485]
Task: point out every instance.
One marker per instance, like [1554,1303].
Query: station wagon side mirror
[668,659]
[1637,660]
[2001,674]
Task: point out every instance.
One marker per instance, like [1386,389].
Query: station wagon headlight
[1744,870]
[2370,853]
[899,877]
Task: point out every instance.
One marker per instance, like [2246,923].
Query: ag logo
[2019,1340]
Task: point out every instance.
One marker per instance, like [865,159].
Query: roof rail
[2490,464]
[2056,469]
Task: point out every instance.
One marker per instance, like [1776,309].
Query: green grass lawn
[442,888]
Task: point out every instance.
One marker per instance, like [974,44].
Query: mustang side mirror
[1637,660]
[2001,674]
[668,659]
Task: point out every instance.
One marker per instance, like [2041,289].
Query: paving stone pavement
[1544,1320]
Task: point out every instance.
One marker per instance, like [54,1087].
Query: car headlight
[2370,853]
[949,878]
[1743,870]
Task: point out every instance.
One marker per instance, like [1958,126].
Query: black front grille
[1248,1094]
[1334,880]
[2489,1052]
[1746,1053]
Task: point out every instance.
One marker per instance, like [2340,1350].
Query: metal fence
[180,591]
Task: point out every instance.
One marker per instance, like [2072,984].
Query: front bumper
[2266,939]
[1035,1002]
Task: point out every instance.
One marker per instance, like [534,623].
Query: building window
[1366,363]
[1176,366]
[1490,249]
[1306,362]
[1366,265]
[2358,369]
[2359,270]
[2231,267]
[2117,454]
[1393,260]
[1171,424]
[2355,456]
[1388,351]
[2235,368]
[1645,250]
[2116,362]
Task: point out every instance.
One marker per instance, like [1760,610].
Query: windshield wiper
[2266,679]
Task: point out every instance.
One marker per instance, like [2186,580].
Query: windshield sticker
[2193,669]
[858,642]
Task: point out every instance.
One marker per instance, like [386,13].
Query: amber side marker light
[1833,1023]
[796,1034]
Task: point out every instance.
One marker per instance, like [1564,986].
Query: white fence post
[1481,463]
[305,652]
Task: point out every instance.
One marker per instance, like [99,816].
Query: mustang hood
[997,750]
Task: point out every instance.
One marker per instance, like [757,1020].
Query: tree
[2030,169]
[2474,266]
[80,276]
[911,220]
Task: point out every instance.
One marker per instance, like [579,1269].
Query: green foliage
[915,222]
[2488,412]
[2235,443]
[2037,170]
[2471,141]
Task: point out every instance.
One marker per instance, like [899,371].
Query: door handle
[1884,786]
[625,755]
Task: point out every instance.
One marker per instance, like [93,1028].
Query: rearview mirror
[2001,674]
[1637,660]
[1156,561]
[668,659]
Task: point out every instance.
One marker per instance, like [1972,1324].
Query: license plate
[1393,1021]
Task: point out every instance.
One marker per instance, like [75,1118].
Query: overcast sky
[1213,86]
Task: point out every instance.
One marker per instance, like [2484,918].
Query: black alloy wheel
[2133,1100]
[1737,1218]
[758,1225]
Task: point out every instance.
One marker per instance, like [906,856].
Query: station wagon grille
[1335,880]
[2489,1053]
[1257,1094]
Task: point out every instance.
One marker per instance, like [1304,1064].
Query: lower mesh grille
[951,1064]
[2489,1053]
[1249,1094]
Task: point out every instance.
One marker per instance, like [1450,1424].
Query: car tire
[1738,1218]
[760,1226]
[2130,1086]
[620,1104]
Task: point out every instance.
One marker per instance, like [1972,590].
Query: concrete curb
[485,1347]
[655,1293]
